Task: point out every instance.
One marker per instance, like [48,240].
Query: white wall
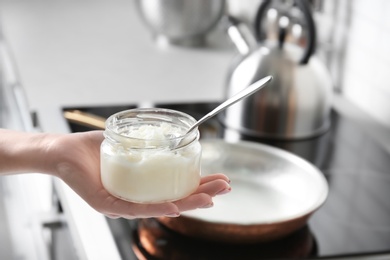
[356,35]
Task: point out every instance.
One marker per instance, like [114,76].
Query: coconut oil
[140,160]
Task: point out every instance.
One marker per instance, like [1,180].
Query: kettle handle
[312,35]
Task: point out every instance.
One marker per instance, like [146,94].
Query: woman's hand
[75,158]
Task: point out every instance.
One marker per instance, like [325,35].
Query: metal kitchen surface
[354,221]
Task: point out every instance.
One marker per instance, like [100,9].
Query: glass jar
[141,159]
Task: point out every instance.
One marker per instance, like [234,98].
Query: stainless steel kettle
[297,103]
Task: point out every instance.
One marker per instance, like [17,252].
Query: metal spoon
[251,89]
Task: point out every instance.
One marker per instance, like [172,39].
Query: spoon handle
[235,98]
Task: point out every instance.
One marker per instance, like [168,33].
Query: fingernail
[112,216]
[208,205]
[173,215]
[224,191]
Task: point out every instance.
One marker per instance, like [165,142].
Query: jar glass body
[140,159]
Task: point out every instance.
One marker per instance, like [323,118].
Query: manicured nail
[224,191]
[173,215]
[208,205]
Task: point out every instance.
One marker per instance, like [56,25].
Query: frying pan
[274,192]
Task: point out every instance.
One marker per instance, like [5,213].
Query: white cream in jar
[139,161]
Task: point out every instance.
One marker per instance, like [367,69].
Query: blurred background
[352,40]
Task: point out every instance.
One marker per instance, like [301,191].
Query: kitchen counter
[94,52]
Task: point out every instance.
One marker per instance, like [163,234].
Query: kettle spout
[241,36]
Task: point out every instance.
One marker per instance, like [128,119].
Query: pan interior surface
[269,185]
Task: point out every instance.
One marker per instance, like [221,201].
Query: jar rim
[145,116]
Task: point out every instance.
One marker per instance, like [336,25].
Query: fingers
[114,208]
[113,216]
[156,210]
[214,184]
[215,176]
[213,188]
[210,186]
[194,201]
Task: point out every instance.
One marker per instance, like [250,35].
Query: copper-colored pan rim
[233,233]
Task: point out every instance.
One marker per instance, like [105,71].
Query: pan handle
[85,119]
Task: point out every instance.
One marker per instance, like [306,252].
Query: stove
[354,221]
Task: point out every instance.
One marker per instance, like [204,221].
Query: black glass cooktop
[355,219]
